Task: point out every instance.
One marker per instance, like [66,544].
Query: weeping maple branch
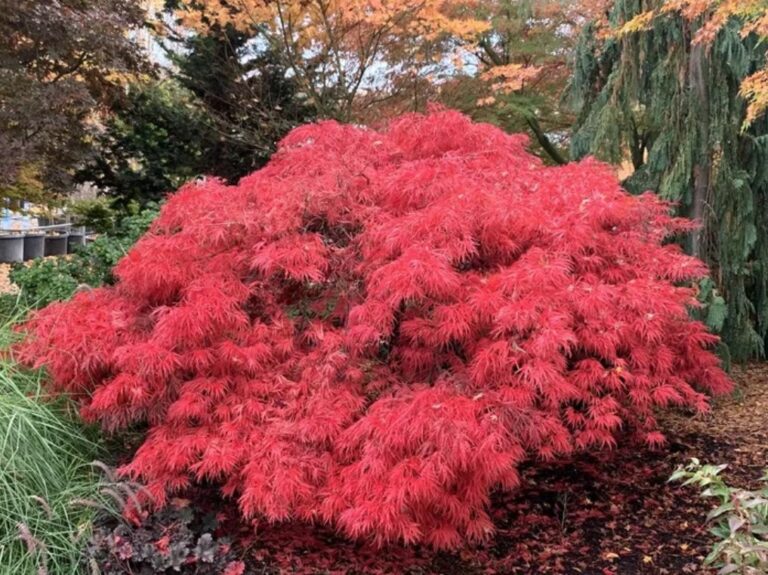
[379,328]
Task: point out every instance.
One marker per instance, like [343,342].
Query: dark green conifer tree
[247,95]
[220,110]
[671,107]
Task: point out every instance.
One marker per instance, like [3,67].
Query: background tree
[713,15]
[248,98]
[650,94]
[59,63]
[504,61]
[350,55]
[153,142]
[220,112]
[518,67]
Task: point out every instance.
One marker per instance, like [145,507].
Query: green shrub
[741,520]
[97,214]
[47,280]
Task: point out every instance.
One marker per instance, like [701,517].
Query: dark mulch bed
[607,514]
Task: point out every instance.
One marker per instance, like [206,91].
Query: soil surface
[607,514]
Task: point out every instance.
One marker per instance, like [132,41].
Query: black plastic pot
[76,238]
[56,244]
[34,245]
[11,248]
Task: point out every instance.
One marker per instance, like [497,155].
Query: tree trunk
[546,144]
[698,75]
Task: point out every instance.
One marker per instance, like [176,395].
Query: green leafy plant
[97,214]
[47,280]
[741,519]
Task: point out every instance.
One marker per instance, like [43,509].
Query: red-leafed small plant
[376,329]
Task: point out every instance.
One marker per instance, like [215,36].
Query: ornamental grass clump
[49,489]
[379,327]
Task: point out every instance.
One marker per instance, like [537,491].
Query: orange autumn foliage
[342,50]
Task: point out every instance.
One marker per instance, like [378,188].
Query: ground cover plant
[379,327]
[741,519]
[180,539]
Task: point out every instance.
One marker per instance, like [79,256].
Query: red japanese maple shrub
[377,328]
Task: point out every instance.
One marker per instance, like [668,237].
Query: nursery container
[56,244]
[11,248]
[76,238]
[34,245]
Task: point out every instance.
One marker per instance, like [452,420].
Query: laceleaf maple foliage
[376,329]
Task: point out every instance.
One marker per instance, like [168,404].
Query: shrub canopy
[378,327]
